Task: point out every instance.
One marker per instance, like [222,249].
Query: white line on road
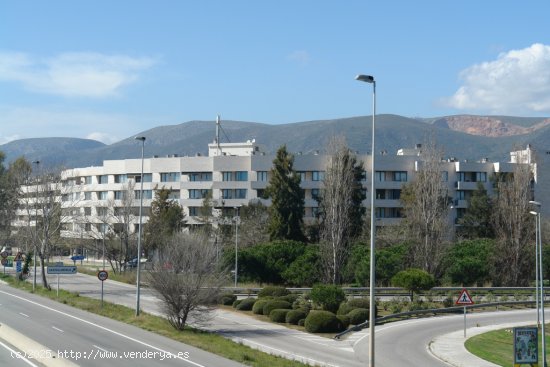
[101,349]
[21,313]
[18,355]
[58,329]
[103,328]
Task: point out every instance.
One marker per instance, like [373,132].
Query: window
[119,195]
[481,176]
[101,211]
[315,194]
[380,176]
[241,176]
[87,211]
[388,212]
[227,194]
[200,176]
[102,195]
[394,194]
[260,193]
[194,211]
[88,227]
[302,176]
[240,193]
[318,175]
[103,179]
[261,176]
[102,227]
[121,178]
[444,176]
[87,195]
[147,177]
[460,194]
[400,176]
[169,177]
[174,194]
[198,193]
[147,194]
[227,176]
[315,211]
[88,180]
[380,194]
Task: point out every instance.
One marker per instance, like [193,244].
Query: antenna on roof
[217,141]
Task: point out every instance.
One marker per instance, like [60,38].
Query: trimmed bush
[344,308]
[273,304]
[273,291]
[278,315]
[290,298]
[294,316]
[301,322]
[358,316]
[227,299]
[236,303]
[246,304]
[328,296]
[258,307]
[359,302]
[344,319]
[322,322]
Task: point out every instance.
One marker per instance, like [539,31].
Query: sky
[107,70]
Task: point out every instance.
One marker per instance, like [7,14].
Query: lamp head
[141,138]
[365,78]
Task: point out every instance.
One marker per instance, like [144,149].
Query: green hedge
[301,322]
[328,296]
[323,322]
[227,299]
[273,304]
[358,316]
[236,303]
[278,315]
[246,304]
[290,298]
[344,319]
[293,316]
[273,291]
[258,307]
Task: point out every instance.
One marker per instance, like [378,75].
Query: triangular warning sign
[464,299]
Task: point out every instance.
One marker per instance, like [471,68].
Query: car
[132,263]
[8,250]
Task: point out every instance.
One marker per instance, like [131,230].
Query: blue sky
[110,69]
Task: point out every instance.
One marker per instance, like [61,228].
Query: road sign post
[526,346]
[464,300]
[102,275]
[61,270]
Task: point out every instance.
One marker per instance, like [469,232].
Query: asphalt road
[11,356]
[91,340]
[405,343]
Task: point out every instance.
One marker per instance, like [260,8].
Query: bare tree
[253,226]
[124,215]
[514,226]
[187,278]
[426,207]
[341,210]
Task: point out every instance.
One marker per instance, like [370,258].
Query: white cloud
[518,81]
[300,56]
[103,137]
[73,74]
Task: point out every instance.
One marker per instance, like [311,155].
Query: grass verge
[204,340]
[497,346]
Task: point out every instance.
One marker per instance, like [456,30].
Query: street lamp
[35,227]
[372,301]
[237,220]
[138,265]
[541,277]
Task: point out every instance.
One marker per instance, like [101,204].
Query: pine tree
[476,222]
[166,219]
[287,199]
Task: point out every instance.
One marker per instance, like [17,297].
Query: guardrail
[433,311]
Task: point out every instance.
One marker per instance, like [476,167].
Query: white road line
[58,329]
[103,328]
[21,313]
[18,355]
[101,349]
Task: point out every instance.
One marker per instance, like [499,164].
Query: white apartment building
[235,174]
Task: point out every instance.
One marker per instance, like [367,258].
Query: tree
[328,296]
[287,199]
[514,227]
[426,207]
[187,278]
[166,218]
[469,262]
[304,270]
[254,222]
[476,222]
[124,215]
[341,209]
[414,280]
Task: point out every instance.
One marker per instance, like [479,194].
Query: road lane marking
[101,349]
[103,328]
[18,354]
[21,313]
[58,329]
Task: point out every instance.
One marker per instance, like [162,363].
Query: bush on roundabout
[258,307]
[358,316]
[273,291]
[293,316]
[322,322]
[246,304]
[273,304]
[278,315]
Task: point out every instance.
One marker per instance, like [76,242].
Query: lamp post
[237,220]
[138,265]
[372,300]
[35,227]
[541,277]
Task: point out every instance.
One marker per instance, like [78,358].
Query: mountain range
[469,137]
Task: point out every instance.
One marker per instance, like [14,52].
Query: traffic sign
[8,263]
[4,261]
[61,269]
[4,254]
[464,299]
[102,275]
